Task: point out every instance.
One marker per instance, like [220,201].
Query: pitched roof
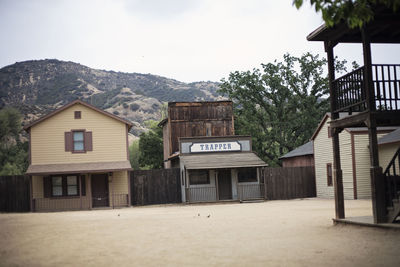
[78,101]
[390,138]
[306,149]
[222,160]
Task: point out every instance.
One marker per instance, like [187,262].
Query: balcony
[351,96]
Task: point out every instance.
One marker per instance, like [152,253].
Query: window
[329,174]
[247,175]
[77,114]
[78,141]
[56,182]
[199,177]
[66,185]
[72,185]
[208,129]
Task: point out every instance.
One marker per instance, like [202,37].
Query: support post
[377,181]
[80,189]
[337,170]
[32,206]
[129,189]
[368,83]
[89,192]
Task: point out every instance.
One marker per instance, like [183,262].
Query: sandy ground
[273,233]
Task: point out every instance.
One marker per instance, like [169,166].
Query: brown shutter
[83,183]
[88,141]
[68,141]
[47,186]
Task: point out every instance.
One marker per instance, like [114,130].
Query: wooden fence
[15,193]
[155,187]
[289,182]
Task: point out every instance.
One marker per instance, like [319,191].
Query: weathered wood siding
[108,134]
[193,119]
[300,161]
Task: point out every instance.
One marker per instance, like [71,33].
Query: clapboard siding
[322,156]
[386,153]
[108,135]
[346,164]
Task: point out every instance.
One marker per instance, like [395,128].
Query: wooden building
[190,119]
[300,157]
[215,165]
[78,159]
[371,97]
[354,159]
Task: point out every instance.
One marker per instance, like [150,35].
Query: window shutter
[88,141]
[47,186]
[68,141]
[83,183]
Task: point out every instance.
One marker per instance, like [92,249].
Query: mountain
[37,87]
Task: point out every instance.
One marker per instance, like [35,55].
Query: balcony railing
[201,194]
[351,94]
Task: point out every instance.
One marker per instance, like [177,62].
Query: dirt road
[273,233]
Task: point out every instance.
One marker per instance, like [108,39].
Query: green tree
[13,152]
[134,153]
[356,12]
[281,105]
[151,147]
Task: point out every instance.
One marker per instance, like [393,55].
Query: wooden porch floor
[366,221]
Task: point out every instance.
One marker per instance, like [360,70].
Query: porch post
[32,206]
[377,181]
[80,189]
[89,191]
[337,170]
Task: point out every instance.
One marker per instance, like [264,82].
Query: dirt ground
[272,233]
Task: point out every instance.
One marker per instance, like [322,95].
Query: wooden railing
[250,191]
[201,194]
[351,95]
[392,179]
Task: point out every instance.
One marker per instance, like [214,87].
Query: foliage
[356,13]
[151,147]
[13,152]
[134,154]
[281,105]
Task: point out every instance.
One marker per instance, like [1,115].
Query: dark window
[66,185]
[247,175]
[329,174]
[208,129]
[77,114]
[199,177]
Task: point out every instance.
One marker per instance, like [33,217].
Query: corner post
[337,169]
[368,83]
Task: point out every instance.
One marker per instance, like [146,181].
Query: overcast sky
[188,40]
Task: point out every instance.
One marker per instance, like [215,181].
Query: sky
[187,40]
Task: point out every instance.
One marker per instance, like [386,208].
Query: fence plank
[289,182]
[15,193]
[155,186]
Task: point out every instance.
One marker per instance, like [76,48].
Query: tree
[134,154]
[355,13]
[13,152]
[151,147]
[281,106]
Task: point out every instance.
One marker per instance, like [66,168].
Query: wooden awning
[385,28]
[92,167]
[222,160]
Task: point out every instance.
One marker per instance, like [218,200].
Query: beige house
[79,159]
[354,158]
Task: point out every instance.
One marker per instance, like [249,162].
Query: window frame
[247,181]
[77,114]
[329,176]
[83,131]
[197,182]
[64,185]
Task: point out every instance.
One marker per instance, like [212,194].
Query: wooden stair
[393,212]
[392,188]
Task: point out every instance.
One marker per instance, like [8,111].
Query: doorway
[100,190]
[224,184]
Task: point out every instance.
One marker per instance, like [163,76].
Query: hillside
[39,86]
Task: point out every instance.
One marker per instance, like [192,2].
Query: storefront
[220,169]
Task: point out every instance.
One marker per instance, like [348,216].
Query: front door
[224,184]
[100,190]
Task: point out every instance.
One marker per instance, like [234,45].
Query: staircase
[392,188]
